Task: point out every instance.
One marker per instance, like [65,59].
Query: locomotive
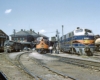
[79,41]
[10,46]
[42,45]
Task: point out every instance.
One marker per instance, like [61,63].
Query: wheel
[89,53]
[72,50]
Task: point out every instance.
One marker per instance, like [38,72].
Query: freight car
[10,46]
[97,43]
[79,41]
[42,45]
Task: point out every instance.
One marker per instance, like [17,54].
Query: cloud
[42,31]
[8,11]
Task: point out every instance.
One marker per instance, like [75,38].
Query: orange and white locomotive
[42,45]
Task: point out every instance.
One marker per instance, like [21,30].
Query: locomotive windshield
[79,30]
[40,38]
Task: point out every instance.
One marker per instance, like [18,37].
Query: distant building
[53,38]
[3,38]
[52,41]
[25,36]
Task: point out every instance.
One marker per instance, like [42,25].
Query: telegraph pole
[14,34]
[62,29]
[57,35]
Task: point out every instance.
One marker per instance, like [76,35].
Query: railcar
[97,42]
[42,45]
[10,46]
[79,41]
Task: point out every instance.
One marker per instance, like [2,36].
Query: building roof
[3,34]
[33,33]
[29,32]
[23,33]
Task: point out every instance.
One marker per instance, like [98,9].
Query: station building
[26,36]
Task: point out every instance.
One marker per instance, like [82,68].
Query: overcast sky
[46,16]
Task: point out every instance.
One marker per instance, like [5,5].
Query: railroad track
[18,63]
[79,62]
[42,72]
[52,71]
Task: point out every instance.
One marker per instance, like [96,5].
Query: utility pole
[62,29]
[57,35]
[14,34]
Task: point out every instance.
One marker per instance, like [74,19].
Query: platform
[83,57]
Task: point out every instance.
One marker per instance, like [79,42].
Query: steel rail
[37,77]
[80,62]
[52,70]
[18,63]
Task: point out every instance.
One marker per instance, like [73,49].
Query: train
[14,46]
[10,46]
[42,45]
[79,41]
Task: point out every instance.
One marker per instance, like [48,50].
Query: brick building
[25,36]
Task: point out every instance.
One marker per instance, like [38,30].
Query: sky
[47,16]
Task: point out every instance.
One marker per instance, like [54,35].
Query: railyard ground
[11,71]
[14,73]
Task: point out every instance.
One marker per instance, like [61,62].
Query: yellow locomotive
[42,45]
